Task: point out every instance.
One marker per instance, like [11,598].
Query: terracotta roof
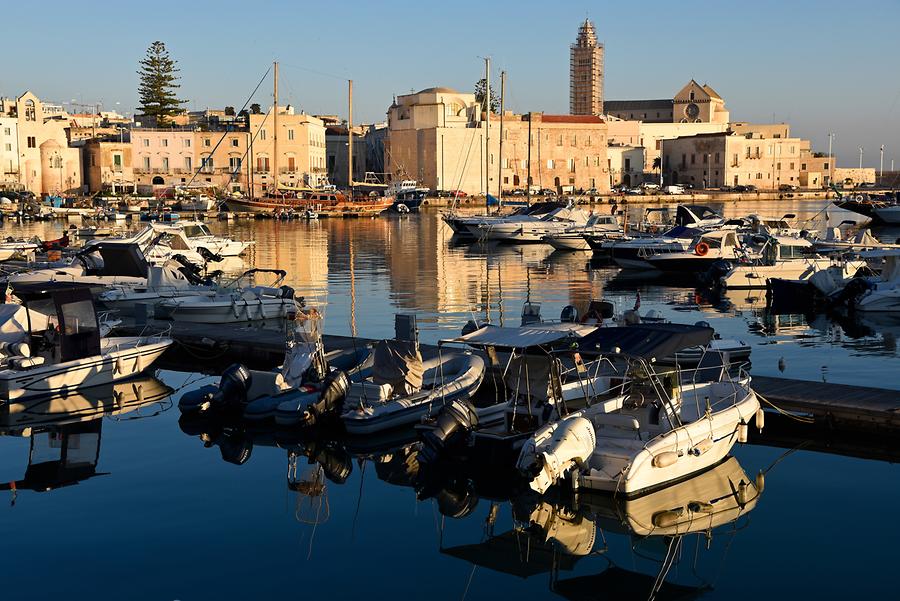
[571,119]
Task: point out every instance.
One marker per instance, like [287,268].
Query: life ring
[859,198]
[701,249]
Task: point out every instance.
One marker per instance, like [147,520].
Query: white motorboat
[172,280]
[460,224]
[702,252]
[573,238]
[783,257]
[54,345]
[234,303]
[18,250]
[101,264]
[198,203]
[669,426]
[632,252]
[881,294]
[199,236]
[531,230]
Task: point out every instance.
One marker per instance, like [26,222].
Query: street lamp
[860,156]
[708,170]
[881,161]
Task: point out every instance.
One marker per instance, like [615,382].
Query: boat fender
[139,394]
[118,368]
[702,447]
[665,459]
[760,419]
[667,518]
[700,507]
[742,433]
[760,482]
[742,493]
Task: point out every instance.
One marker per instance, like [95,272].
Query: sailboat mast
[275,126]
[350,137]
[500,157]
[528,173]
[487,132]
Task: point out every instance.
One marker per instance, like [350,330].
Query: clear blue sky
[820,65]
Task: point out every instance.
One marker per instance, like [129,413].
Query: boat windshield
[192,231]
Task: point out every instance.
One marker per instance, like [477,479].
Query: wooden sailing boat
[299,201]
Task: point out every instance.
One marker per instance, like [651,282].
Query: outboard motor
[231,393]
[456,504]
[287,292]
[235,448]
[334,391]
[569,314]
[717,271]
[455,420]
[336,462]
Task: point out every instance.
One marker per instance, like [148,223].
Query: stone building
[44,162]
[692,104]
[730,159]
[108,166]
[439,137]
[224,157]
[586,72]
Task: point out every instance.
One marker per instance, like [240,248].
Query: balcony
[287,170]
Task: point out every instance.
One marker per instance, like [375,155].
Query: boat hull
[221,312]
[112,365]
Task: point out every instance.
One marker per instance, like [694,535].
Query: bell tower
[586,72]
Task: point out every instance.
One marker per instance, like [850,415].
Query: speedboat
[199,236]
[198,202]
[881,294]
[703,251]
[235,303]
[669,426]
[172,280]
[783,257]
[104,263]
[461,224]
[54,345]
[573,238]
[531,230]
[632,252]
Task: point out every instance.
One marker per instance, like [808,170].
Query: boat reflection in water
[64,431]
[552,535]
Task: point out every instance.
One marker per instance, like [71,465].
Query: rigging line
[229,128]
[322,73]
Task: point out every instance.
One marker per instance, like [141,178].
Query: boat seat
[26,362]
[369,392]
[619,448]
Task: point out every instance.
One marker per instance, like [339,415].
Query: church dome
[438,90]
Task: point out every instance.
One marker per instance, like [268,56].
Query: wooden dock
[835,405]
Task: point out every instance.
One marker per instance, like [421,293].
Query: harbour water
[162,510]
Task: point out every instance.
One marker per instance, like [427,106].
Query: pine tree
[159,79]
[480,95]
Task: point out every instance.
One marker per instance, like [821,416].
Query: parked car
[650,187]
[744,188]
[787,188]
[635,191]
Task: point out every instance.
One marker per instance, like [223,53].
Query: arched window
[30,114]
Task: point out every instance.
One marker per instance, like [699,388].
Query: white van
[674,189]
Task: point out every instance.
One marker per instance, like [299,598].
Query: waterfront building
[224,156]
[731,158]
[438,137]
[45,164]
[9,153]
[108,166]
[626,164]
[300,142]
[586,72]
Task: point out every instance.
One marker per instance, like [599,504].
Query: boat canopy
[398,363]
[522,337]
[13,323]
[646,340]
[690,214]
[116,259]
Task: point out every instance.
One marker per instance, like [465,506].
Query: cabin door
[79,332]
